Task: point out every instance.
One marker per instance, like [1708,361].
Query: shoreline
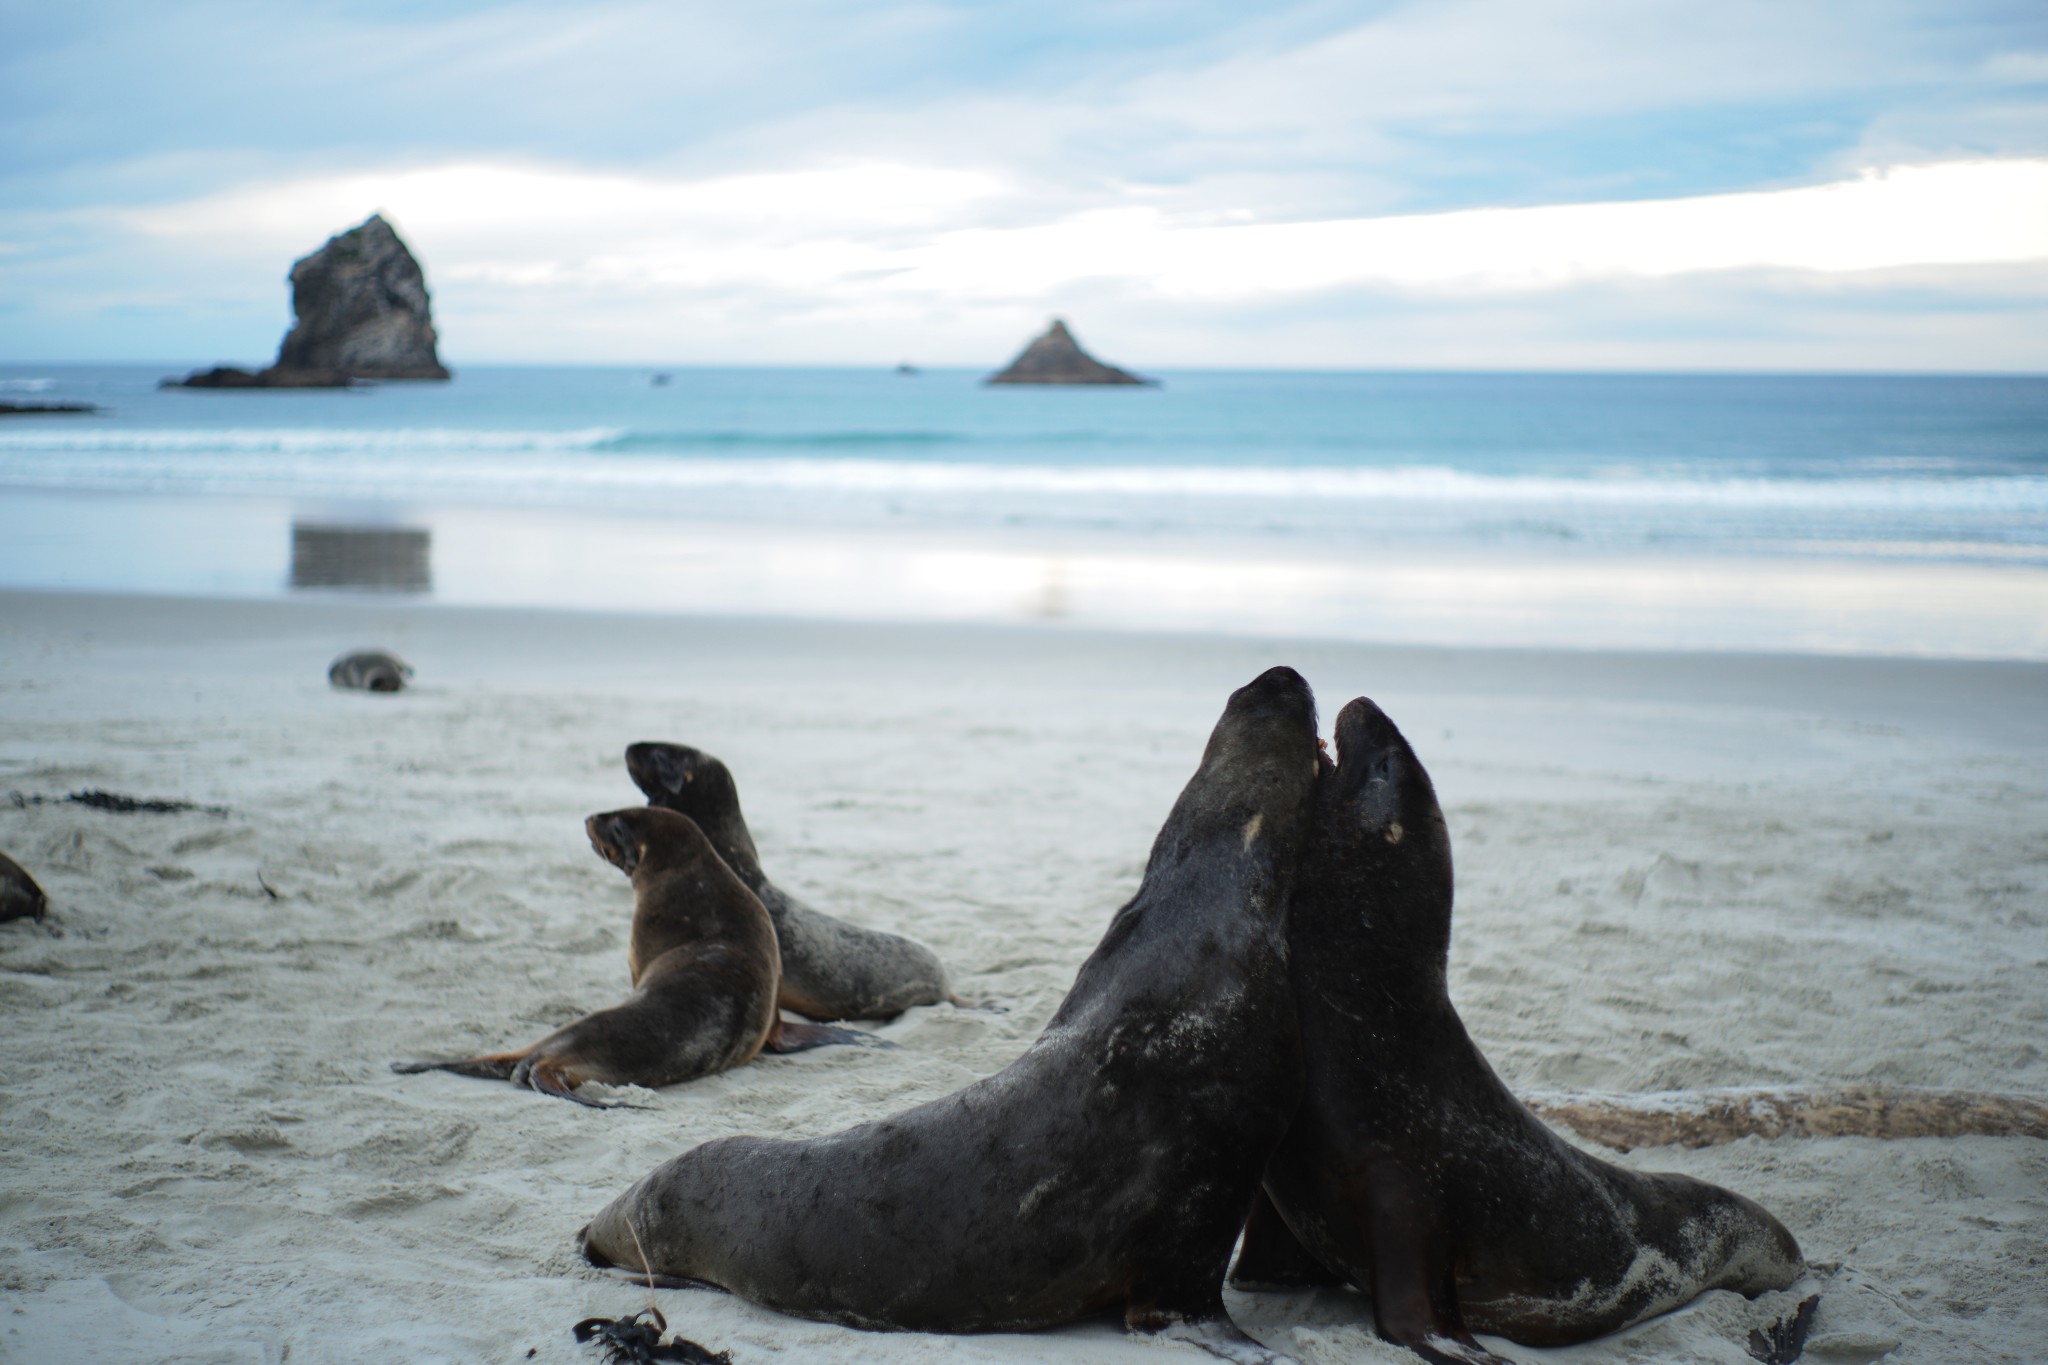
[1571,597]
[1676,872]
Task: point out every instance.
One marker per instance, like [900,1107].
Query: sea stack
[1056,358]
[362,313]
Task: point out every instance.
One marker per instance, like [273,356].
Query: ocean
[1875,514]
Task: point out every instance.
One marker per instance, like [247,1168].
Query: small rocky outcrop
[276,377]
[1056,358]
[362,313]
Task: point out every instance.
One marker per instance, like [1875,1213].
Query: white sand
[1676,872]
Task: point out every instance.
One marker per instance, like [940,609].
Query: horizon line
[889,367]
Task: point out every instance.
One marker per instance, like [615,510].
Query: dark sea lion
[830,969]
[20,897]
[1410,1170]
[369,670]
[1107,1168]
[704,968]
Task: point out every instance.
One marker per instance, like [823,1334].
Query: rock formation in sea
[43,409]
[1056,358]
[362,313]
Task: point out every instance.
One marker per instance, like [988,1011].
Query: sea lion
[704,969]
[1410,1170]
[369,670]
[1107,1168]
[830,969]
[20,897]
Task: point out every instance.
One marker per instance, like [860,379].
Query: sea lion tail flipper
[548,1077]
[790,1036]
[498,1066]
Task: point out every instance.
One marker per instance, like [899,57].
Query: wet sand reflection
[377,558]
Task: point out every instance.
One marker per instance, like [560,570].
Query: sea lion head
[1250,796]
[637,835]
[1379,825]
[679,778]
[1270,722]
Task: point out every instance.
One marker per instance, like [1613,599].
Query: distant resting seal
[20,897]
[830,969]
[369,670]
[1410,1170]
[704,970]
[1107,1168]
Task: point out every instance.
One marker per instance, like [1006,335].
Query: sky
[1457,184]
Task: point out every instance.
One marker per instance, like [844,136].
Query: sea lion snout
[1374,764]
[1280,690]
[1272,717]
[616,841]
[589,1249]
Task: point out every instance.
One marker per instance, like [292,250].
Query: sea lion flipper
[1461,1350]
[548,1077]
[497,1066]
[1217,1335]
[1414,1289]
[20,897]
[790,1036]
[1272,1257]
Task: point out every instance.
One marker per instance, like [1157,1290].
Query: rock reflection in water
[379,558]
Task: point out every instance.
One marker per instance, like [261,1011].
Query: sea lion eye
[672,772]
[620,836]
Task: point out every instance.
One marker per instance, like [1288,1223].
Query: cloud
[880,230]
[811,180]
[857,262]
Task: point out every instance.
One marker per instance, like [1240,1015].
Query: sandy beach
[1677,872]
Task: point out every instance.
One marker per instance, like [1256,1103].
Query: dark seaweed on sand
[117,803]
[1782,1342]
[637,1341]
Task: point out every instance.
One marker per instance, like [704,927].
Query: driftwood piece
[1706,1118]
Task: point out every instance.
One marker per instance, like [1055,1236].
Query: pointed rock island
[361,308]
[1056,358]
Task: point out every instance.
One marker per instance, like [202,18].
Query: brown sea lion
[1410,1170]
[1106,1169]
[20,897]
[704,969]
[830,969]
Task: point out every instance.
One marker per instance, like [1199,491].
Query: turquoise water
[1773,463]
[1570,473]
